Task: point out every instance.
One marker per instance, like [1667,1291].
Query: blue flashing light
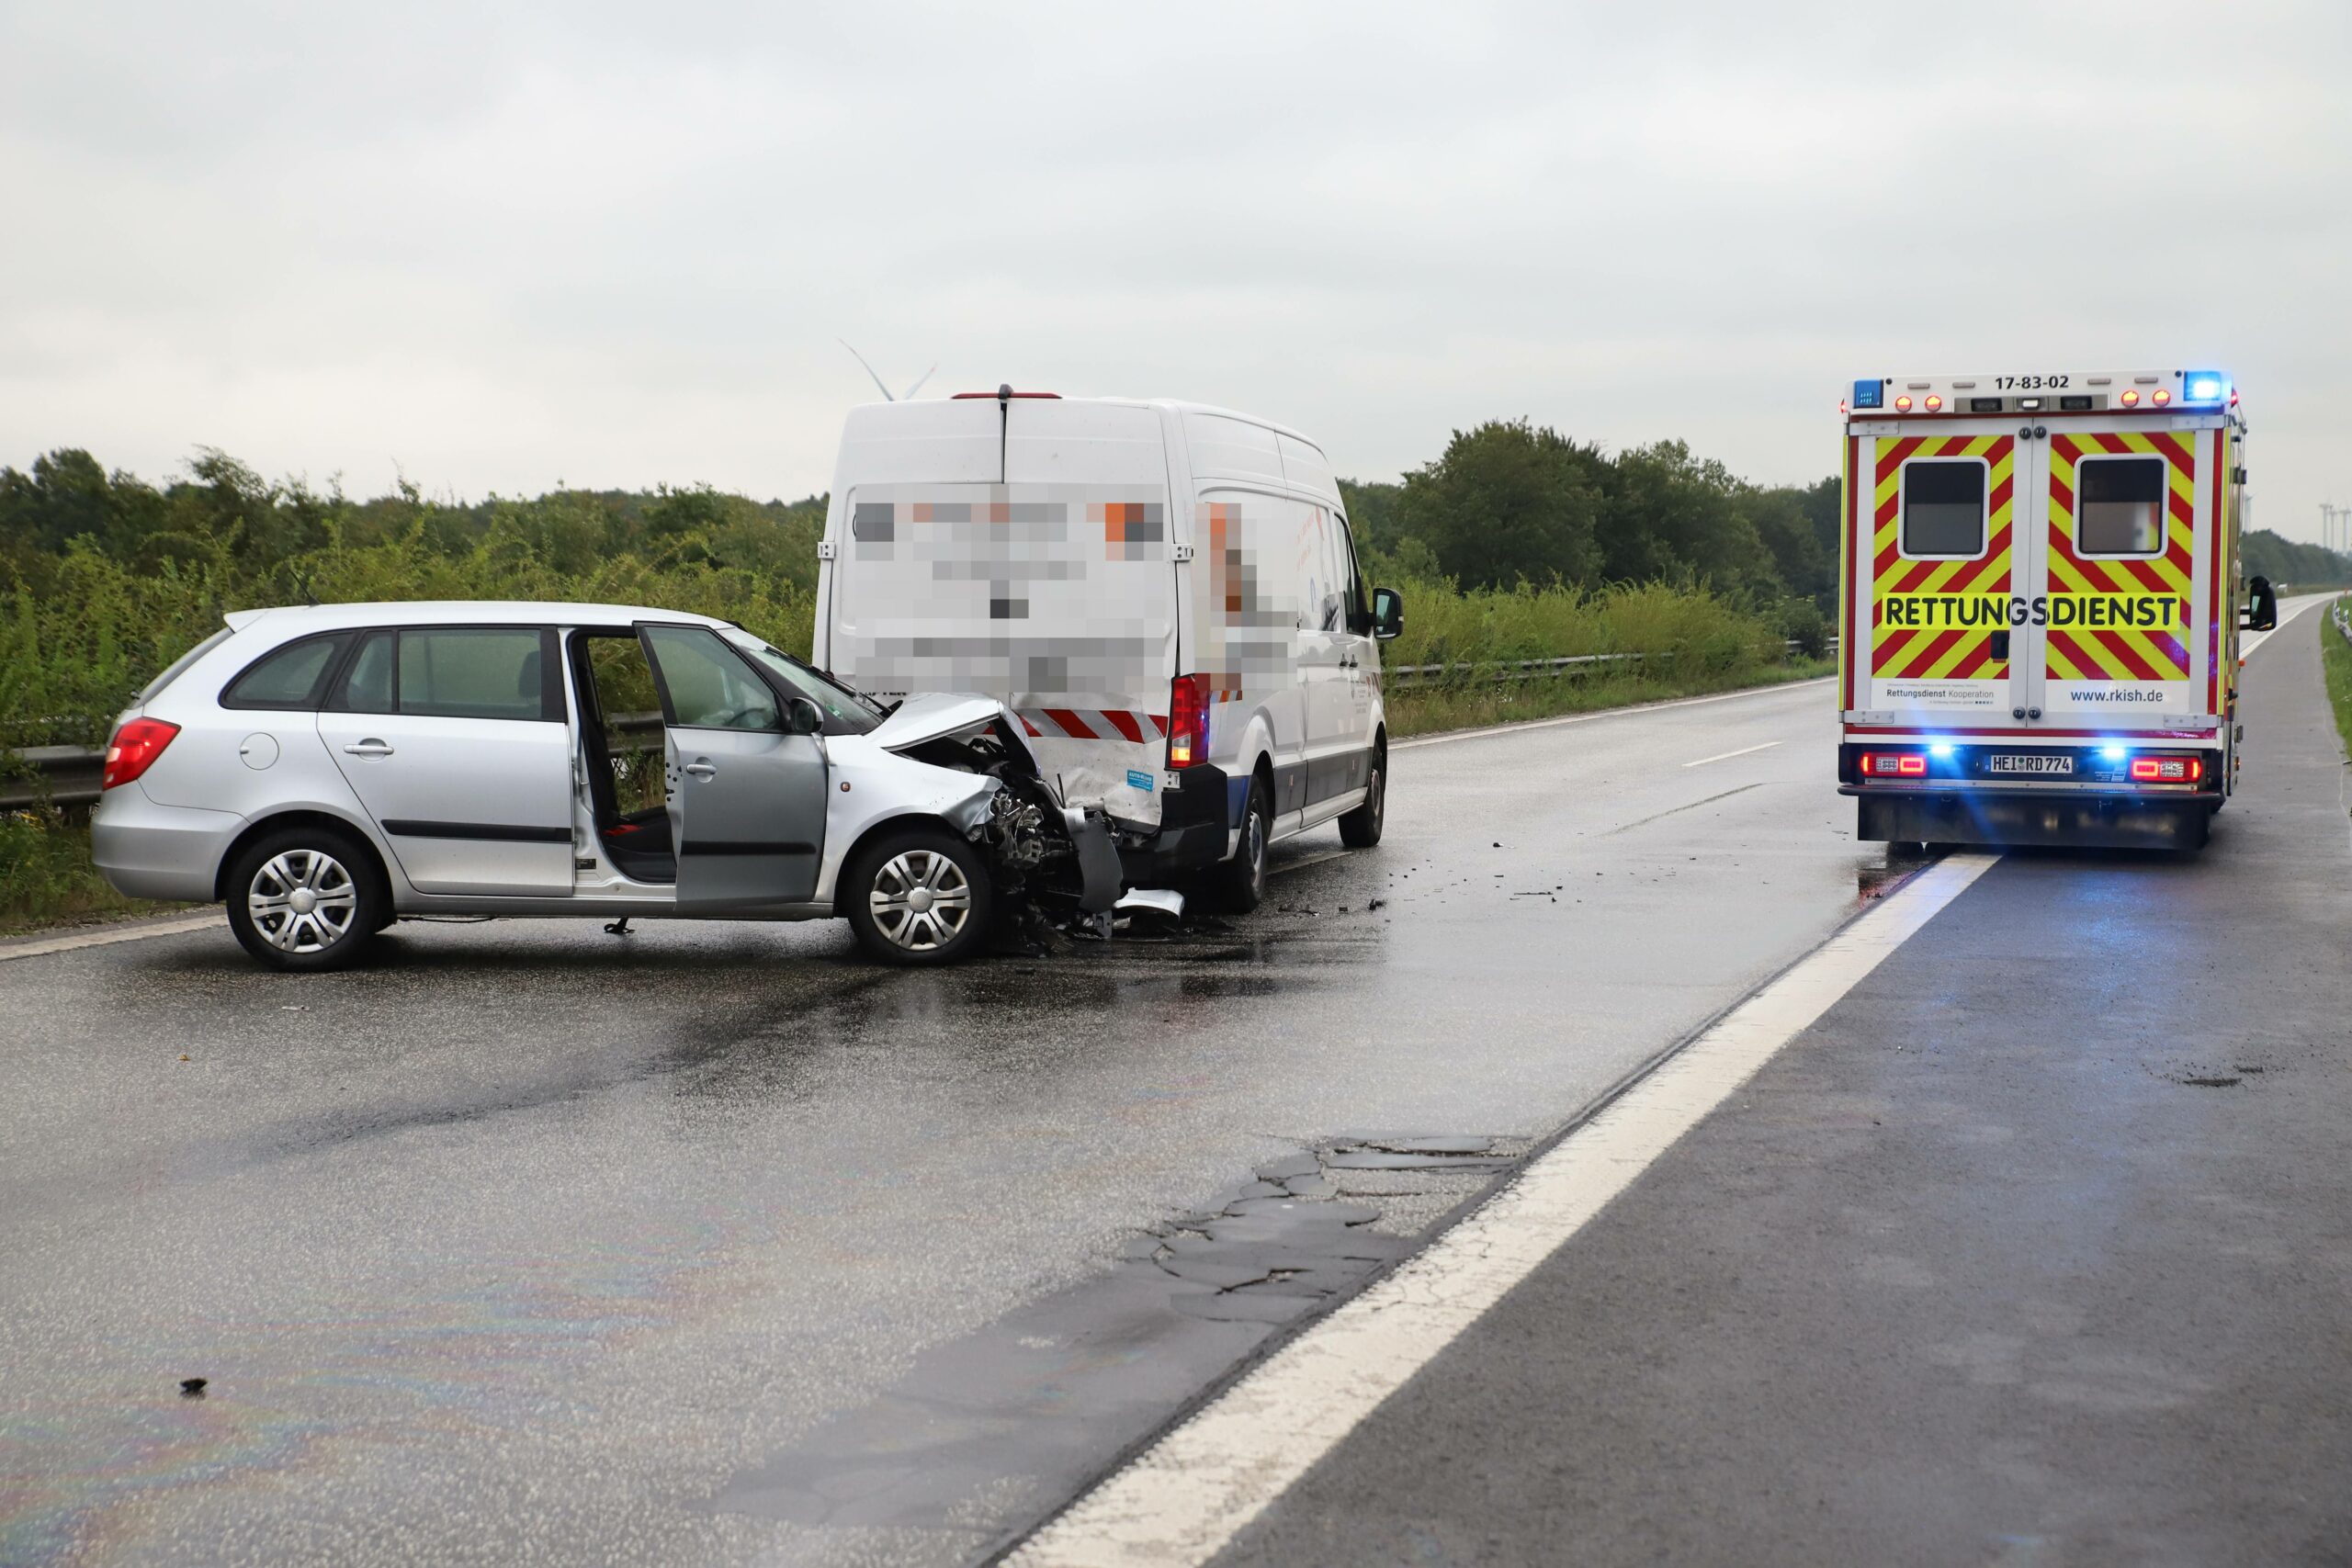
[1867,394]
[2205,387]
[2113,753]
[1940,750]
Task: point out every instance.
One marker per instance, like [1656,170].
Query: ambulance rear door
[2120,560]
[1934,521]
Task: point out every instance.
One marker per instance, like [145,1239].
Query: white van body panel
[1072,557]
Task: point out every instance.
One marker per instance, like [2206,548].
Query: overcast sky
[500,247]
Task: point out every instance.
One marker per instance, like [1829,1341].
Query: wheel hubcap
[920,900]
[302,901]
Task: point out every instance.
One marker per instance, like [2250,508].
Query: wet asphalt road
[528,1242]
[2036,1248]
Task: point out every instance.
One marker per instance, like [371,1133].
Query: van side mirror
[1387,613]
[802,716]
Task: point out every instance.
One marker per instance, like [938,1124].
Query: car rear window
[178,667]
[290,677]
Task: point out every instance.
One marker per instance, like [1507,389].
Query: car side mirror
[1387,613]
[802,716]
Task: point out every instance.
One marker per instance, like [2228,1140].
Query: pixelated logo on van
[1051,595]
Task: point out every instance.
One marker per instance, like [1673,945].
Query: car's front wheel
[306,898]
[920,896]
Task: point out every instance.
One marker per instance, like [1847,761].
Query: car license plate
[2012,762]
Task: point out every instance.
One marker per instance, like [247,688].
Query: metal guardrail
[1567,668]
[69,775]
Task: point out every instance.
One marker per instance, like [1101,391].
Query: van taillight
[2167,770]
[1188,721]
[134,749]
[1894,765]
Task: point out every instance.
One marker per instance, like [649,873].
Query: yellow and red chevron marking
[2121,653]
[1952,653]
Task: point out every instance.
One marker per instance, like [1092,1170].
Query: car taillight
[1188,721]
[134,749]
[1894,765]
[2167,770]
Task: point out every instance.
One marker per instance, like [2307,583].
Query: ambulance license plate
[2011,763]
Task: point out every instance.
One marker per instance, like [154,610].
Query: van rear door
[2122,622]
[1023,551]
[1936,524]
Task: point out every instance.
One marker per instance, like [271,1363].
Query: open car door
[747,794]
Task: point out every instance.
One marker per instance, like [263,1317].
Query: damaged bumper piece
[1050,856]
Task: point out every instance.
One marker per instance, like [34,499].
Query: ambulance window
[1943,508]
[2121,507]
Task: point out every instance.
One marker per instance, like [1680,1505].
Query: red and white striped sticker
[1094,724]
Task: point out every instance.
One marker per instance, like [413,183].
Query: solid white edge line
[1727,756]
[1187,1496]
[107,937]
[1524,725]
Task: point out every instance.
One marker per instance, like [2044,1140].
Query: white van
[1167,595]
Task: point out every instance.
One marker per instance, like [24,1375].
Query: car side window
[472,673]
[706,684]
[366,686]
[289,678]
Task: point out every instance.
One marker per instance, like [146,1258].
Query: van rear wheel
[1360,829]
[1242,880]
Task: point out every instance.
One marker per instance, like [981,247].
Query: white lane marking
[1524,725]
[1727,756]
[2287,612]
[1191,1491]
[107,937]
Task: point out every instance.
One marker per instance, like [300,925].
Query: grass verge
[2335,663]
[1426,711]
[46,877]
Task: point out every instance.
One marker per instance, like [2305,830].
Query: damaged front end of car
[1054,864]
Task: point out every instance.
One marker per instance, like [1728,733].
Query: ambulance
[2037,606]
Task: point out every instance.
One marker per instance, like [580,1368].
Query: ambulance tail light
[1188,721]
[1895,765]
[2167,770]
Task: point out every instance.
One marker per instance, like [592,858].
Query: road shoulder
[2034,1247]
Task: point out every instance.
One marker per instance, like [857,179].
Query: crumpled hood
[934,714]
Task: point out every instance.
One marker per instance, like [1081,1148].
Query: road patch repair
[985,1435]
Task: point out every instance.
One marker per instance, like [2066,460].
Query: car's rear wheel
[1240,884]
[306,898]
[920,897]
[1360,829]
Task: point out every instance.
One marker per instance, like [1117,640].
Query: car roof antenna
[1003,425]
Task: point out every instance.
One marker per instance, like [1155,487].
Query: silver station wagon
[325,771]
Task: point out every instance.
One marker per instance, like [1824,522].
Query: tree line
[1507,502]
